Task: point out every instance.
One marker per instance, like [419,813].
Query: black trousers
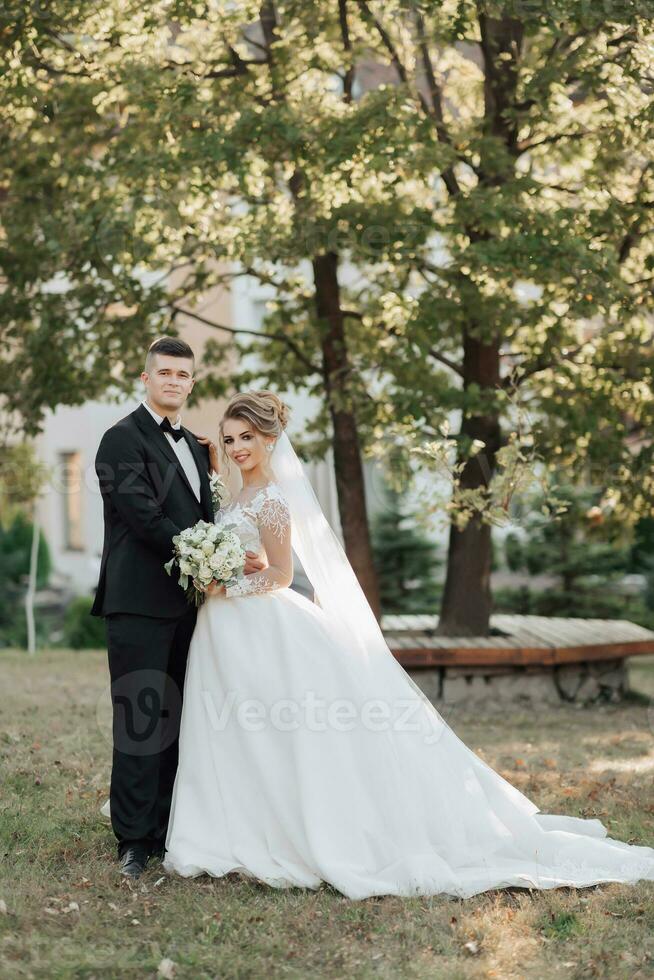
[147,665]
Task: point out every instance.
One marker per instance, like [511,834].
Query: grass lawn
[66,912]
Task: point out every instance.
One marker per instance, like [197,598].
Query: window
[71,465]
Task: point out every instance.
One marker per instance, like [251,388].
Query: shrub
[15,549]
[514,552]
[81,630]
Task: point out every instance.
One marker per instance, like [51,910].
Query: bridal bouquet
[203,554]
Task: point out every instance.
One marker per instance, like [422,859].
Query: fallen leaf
[471,947]
[166,969]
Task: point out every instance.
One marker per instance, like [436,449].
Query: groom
[154,480]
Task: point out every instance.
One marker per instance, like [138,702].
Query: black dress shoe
[134,859]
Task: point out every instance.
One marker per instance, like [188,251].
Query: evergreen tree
[585,549]
[405,560]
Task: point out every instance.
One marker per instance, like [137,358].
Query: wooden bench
[517,641]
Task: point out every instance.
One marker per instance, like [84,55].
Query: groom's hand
[254,563]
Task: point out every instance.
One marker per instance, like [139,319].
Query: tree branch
[255,44]
[540,365]
[387,41]
[524,145]
[443,359]
[436,95]
[36,60]
[434,88]
[58,39]
[292,346]
[348,77]
[233,68]
[635,233]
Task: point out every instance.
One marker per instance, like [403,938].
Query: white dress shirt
[182,450]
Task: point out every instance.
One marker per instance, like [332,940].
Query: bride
[307,754]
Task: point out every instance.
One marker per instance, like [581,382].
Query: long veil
[335,584]
[351,620]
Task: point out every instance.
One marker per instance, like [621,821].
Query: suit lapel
[157,439]
[201,463]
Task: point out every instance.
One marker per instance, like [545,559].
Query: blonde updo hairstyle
[263,410]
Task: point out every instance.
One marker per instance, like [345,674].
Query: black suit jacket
[147,500]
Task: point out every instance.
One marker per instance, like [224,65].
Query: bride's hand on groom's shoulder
[213,452]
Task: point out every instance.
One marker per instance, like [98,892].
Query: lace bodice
[261,518]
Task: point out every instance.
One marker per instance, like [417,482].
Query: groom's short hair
[172,346]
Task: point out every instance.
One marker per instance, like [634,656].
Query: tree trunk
[467,602]
[347,450]
[31,588]
[466,605]
[335,367]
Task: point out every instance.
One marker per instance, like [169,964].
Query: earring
[270,446]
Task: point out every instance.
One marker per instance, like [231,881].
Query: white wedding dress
[299,765]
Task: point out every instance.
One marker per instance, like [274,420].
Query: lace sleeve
[274,523]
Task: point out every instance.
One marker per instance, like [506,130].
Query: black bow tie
[165,426]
